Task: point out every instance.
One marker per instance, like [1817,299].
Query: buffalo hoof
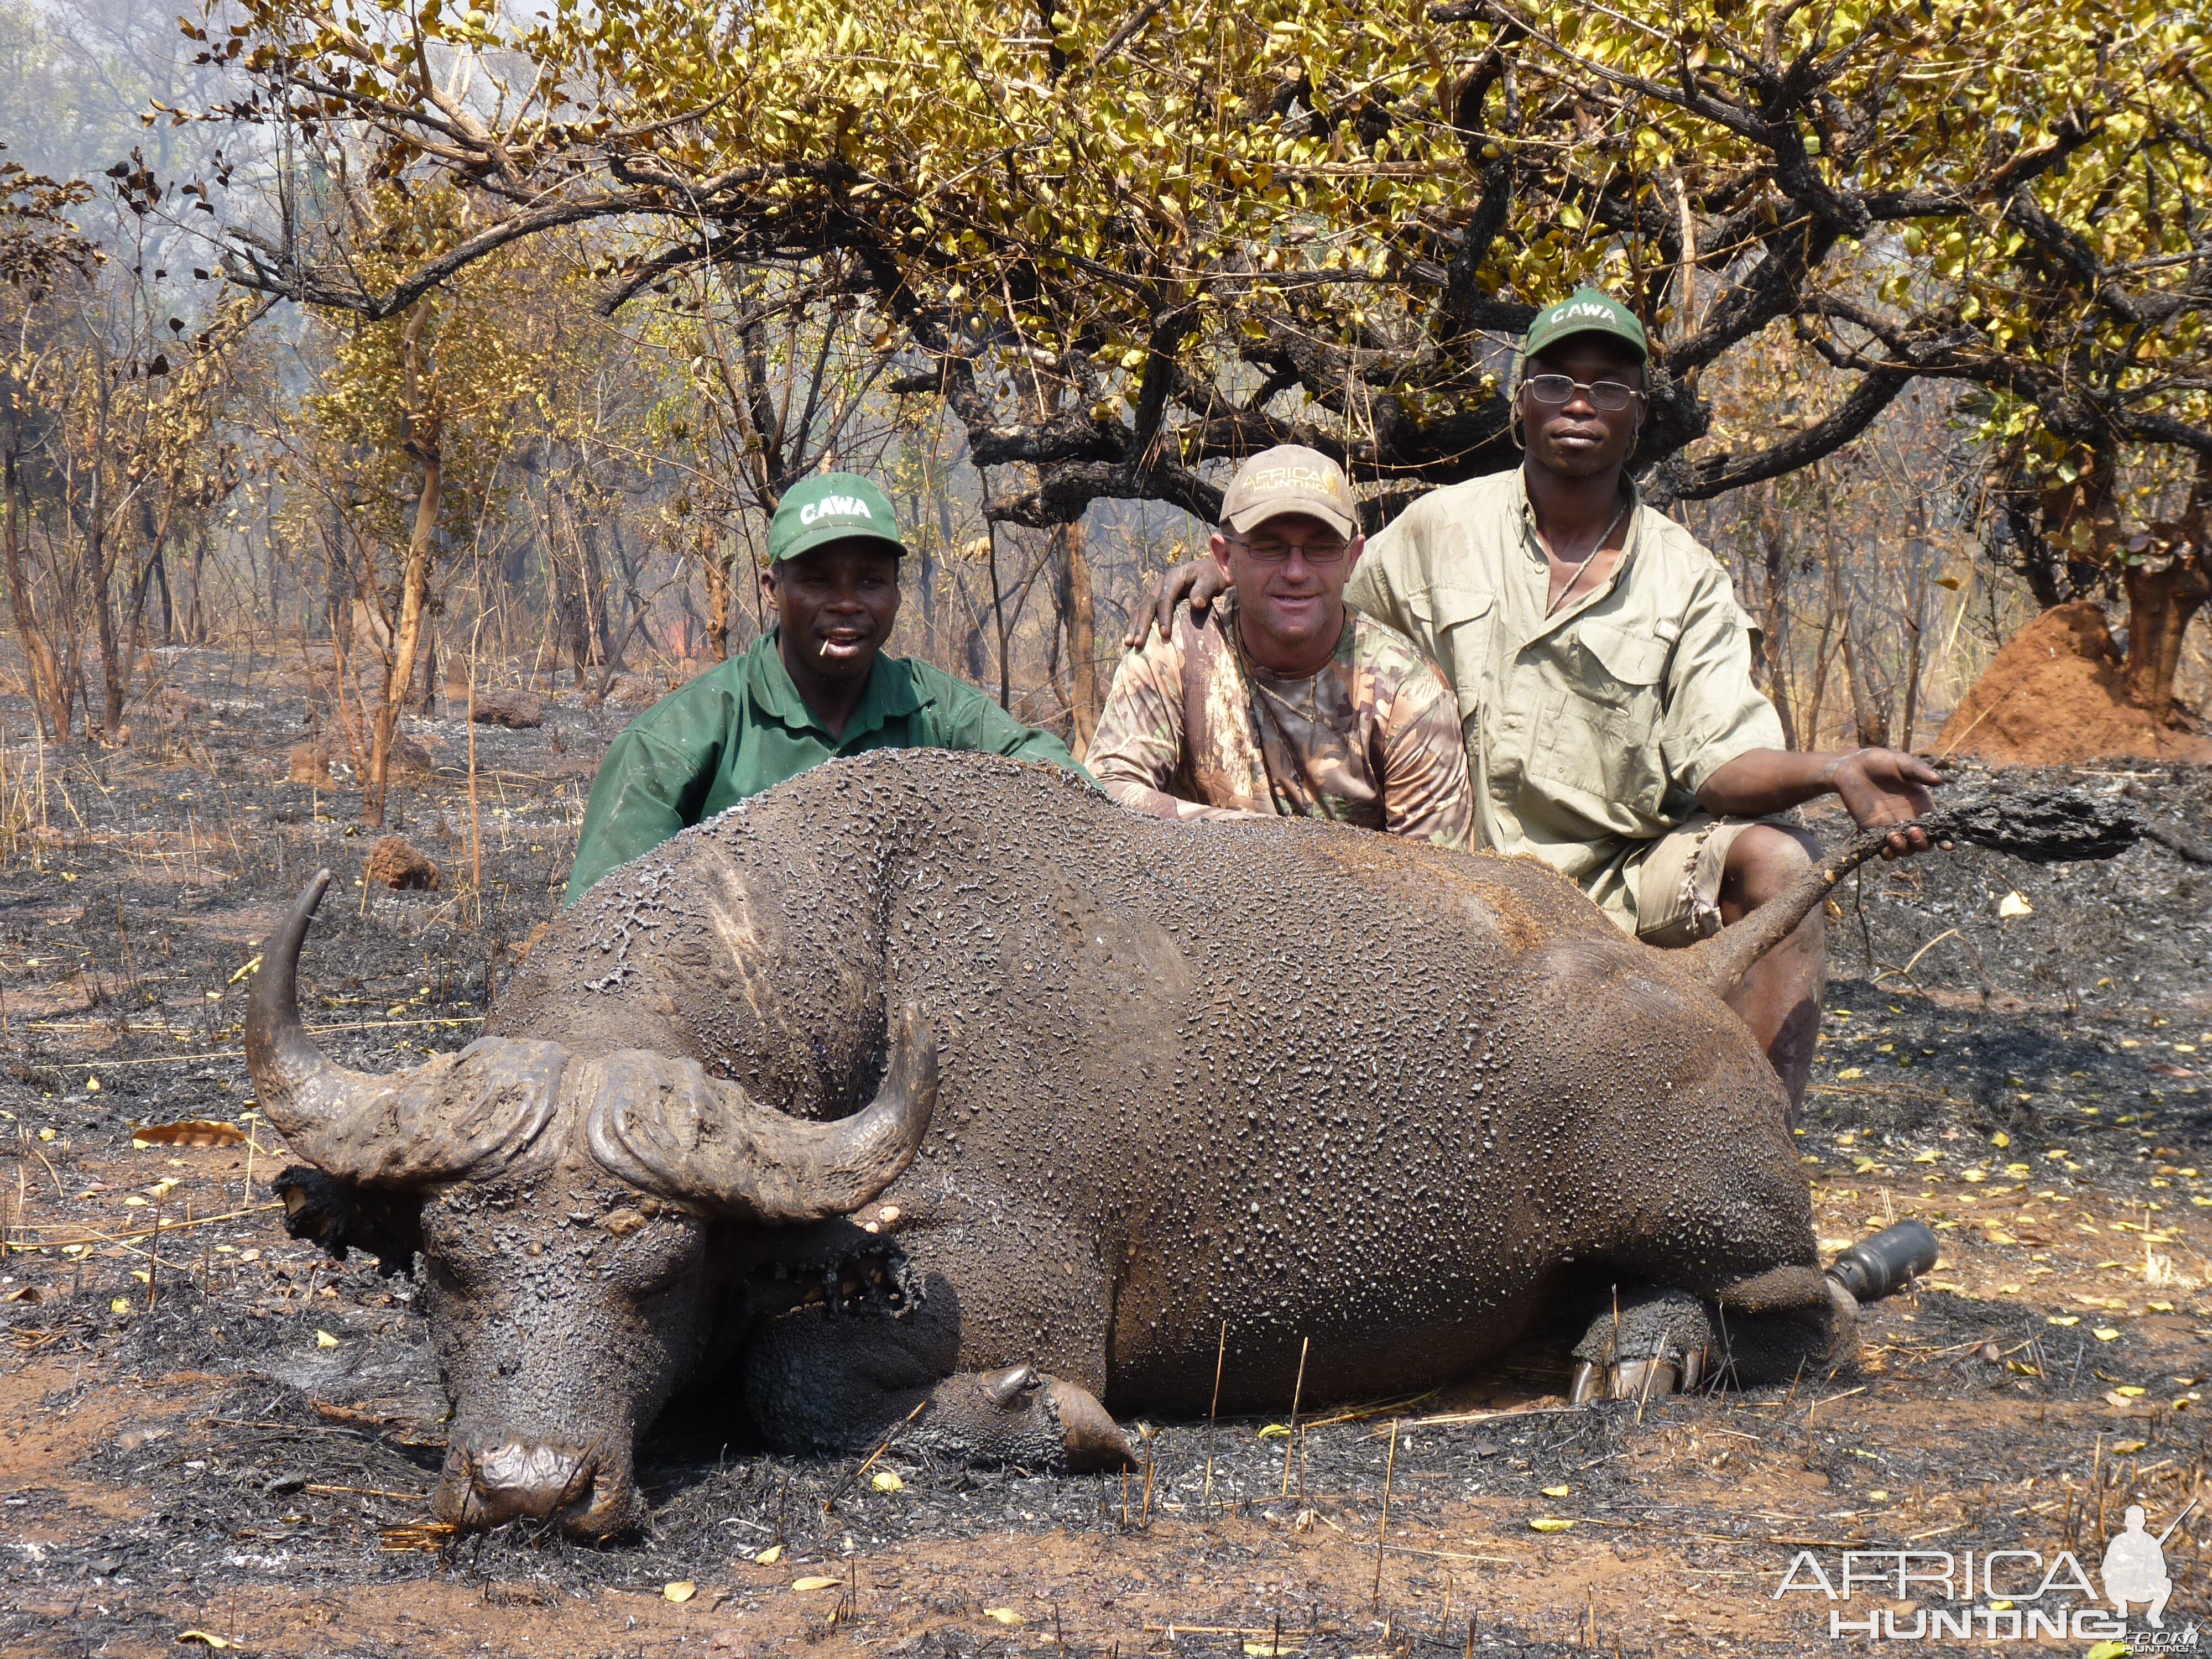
[1095,1442]
[1638,1379]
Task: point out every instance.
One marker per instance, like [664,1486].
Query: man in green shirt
[1602,672]
[815,686]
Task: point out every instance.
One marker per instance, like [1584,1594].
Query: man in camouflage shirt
[1279,700]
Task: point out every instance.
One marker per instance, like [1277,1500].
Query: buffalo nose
[487,1485]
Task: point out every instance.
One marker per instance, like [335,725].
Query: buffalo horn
[665,1126]
[440,1121]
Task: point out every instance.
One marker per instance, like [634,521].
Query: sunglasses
[1609,395]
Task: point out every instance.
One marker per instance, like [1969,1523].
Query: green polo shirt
[742,727]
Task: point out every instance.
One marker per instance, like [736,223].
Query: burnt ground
[232,1443]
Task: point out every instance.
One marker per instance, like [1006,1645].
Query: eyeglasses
[1323,552]
[1609,395]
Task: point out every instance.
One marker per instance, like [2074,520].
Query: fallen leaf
[2129,1391]
[191,1132]
[815,1583]
[1274,1431]
[2015,904]
[2105,1333]
[2109,1650]
[324,1339]
[118,1306]
[1851,1072]
[207,1637]
[430,1536]
[1549,1523]
[2125,1447]
[92,1086]
[884,1480]
[1556,1491]
[28,1293]
[1269,1650]
[2061,1319]
[2163,1070]
[682,1589]
[2001,1140]
[771,1556]
[1005,1615]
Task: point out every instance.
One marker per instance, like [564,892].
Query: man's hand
[1878,787]
[1886,785]
[1202,580]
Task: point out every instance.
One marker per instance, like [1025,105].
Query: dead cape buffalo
[940,1075]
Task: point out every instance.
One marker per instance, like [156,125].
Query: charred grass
[209,1431]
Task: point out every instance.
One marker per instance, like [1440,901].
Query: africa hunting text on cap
[1290,478]
[830,507]
[1586,310]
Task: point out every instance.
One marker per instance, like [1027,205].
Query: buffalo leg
[815,1381]
[1665,1341]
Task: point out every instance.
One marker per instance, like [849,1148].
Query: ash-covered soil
[235,1441]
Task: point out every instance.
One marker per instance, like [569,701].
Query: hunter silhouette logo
[2135,1567]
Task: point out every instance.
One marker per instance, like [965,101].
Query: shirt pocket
[1465,620]
[1601,725]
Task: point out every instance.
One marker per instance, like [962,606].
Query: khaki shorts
[1678,884]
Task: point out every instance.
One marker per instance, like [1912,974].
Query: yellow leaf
[119,1305]
[92,1086]
[884,1480]
[1549,1523]
[2001,1139]
[2126,1447]
[1851,1072]
[324,1339]
[2015,904]
[815,1583]
[682,1589]
[2061,1319]
[2105,1333]
[2129,1391]
[2109,1650]
[206,1636]
[1556,1491]
[1005,1615]
[1274,1431]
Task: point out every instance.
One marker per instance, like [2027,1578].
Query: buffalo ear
[321,1209]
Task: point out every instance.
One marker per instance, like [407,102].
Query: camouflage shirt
[1194,729]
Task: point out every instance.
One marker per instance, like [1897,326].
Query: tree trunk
[1071,577]
[1869,717]
[2161,603]
[49,690]
[422,439]
[717,570]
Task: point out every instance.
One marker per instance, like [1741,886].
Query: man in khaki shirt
[1602,672]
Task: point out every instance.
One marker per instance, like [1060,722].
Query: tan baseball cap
[1290,478]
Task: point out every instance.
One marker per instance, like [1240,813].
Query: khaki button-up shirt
[1589,733]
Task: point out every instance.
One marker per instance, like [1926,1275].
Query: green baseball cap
[830,507]
[1586,310]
